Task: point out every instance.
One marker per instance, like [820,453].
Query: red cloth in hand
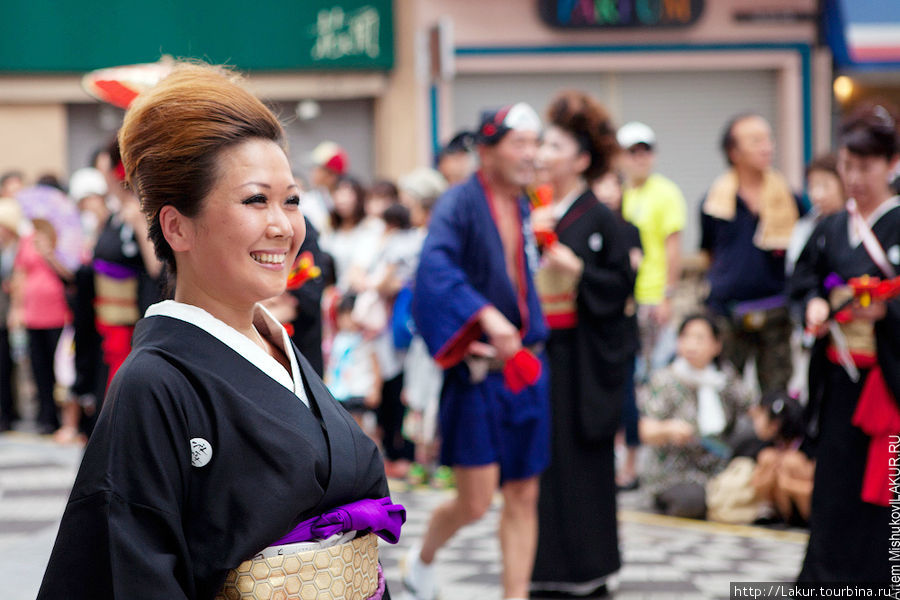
[522,370]
[877,415]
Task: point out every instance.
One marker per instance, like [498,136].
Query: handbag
[730,496]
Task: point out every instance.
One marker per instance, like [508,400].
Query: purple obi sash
[113,270]
[378,516]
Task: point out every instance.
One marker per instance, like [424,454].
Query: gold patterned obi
[116,300]
[557,292]
[347,571]
[860,335]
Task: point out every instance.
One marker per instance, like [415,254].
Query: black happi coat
[578,540]
[142,522]
[849,538]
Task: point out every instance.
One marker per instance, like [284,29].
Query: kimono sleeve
[888,343]
[807,280]
[607,280]
[122,534]
[445,304]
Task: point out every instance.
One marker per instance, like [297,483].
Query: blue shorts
[487,423]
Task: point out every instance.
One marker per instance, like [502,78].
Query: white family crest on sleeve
[201,452]
[894,254]
[595,242]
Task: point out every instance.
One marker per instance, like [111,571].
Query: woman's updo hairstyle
[870,130]
[587,121]
[173,134]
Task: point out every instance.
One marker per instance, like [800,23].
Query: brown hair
[386,189]
[359,199]
[588,122]
[823,162]
[173,134]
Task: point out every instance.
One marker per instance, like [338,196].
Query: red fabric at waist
[566,320]
[861,360]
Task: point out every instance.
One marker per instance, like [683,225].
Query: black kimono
[848,537]
[198,461]
[308,323]
[589,353]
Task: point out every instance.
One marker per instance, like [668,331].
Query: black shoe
[628,487]
[601,591]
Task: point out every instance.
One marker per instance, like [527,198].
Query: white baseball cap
[635,132]
[87,182]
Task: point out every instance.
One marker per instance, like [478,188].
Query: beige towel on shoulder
[777,208]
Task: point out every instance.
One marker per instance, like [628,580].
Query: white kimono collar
[264,322]
[562,207]
[883,208]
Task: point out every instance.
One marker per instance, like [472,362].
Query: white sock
[420,575]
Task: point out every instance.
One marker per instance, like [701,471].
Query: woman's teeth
[269,259]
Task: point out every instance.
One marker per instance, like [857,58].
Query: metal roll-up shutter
[687,109]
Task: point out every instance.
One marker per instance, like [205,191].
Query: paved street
[665,558]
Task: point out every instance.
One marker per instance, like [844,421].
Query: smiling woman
[214,402]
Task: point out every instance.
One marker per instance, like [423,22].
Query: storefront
[322,65]
[865,40]
[392,80]
[682,66]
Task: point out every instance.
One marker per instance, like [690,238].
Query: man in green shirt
[656,206]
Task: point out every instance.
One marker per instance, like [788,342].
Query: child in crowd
[352,374]
[393,267]
[423,378]
[783,478]
[688,412]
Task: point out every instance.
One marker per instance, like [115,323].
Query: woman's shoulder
[591,211]
[149,377]
[460,197]
[665,381]
[664,374]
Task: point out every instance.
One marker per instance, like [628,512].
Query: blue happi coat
[462,269]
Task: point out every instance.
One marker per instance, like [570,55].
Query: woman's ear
[582,162]
[176,228]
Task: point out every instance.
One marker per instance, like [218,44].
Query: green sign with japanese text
[270,35]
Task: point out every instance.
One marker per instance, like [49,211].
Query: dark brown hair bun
[588,122]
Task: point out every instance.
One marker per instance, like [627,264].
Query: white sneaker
[418,578]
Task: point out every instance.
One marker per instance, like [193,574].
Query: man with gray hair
[747,218]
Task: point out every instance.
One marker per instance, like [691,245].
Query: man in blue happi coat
[476,307]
